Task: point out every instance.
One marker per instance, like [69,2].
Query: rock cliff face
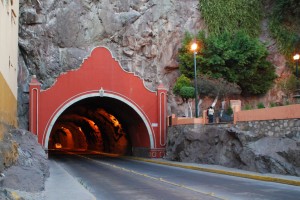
[235,148]
[55,36]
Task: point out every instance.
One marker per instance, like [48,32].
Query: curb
[219,171]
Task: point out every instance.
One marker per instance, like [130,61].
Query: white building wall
[9,16]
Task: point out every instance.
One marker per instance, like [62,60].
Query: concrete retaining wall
[280,112]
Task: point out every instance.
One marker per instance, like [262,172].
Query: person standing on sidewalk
[211,114]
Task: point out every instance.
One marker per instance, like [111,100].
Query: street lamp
[194,49]
[296,58]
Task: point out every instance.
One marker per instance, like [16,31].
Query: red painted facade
[101,75]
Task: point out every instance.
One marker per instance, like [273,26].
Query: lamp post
[296,58]
[297,91]
[194,49]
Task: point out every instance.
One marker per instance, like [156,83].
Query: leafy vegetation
[232,54]
[284,25]
[246,15]
[260,105]
[248,107]
[232,15]
[183,88]
[236,58]
[187,92]
[229,111]
[273,104]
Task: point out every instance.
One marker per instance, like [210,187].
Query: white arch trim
[73,100]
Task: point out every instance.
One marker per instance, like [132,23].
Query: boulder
[30,170]
[232,147]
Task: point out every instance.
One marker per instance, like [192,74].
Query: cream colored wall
[9,15]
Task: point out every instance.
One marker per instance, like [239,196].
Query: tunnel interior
[101,124]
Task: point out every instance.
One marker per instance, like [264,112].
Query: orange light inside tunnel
[111,118]
[114,121]
[93,125]
[118,137]
[69,141]
[58,146]
[91,129]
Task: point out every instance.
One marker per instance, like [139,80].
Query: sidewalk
[61,185]
[284,179]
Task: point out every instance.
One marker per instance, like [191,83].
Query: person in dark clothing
[210,114]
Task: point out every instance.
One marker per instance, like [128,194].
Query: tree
[183,88]
[235,57]
[217,88]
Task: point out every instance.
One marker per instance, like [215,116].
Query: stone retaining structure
[277,121]
[276,128]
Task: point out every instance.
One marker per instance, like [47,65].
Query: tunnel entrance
[99,124]
[102,107]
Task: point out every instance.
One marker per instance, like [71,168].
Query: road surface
[115,178]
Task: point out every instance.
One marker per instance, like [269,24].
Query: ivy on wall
[284,25]
[232,15]
[246,15]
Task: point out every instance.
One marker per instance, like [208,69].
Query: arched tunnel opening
[101,124]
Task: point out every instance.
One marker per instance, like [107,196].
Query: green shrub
[187,92]
[260,105]
[248,107]
[229,111]
[272,104]
[183,88]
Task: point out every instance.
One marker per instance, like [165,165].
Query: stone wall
[272,128]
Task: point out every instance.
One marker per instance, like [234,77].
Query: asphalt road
[114,178]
